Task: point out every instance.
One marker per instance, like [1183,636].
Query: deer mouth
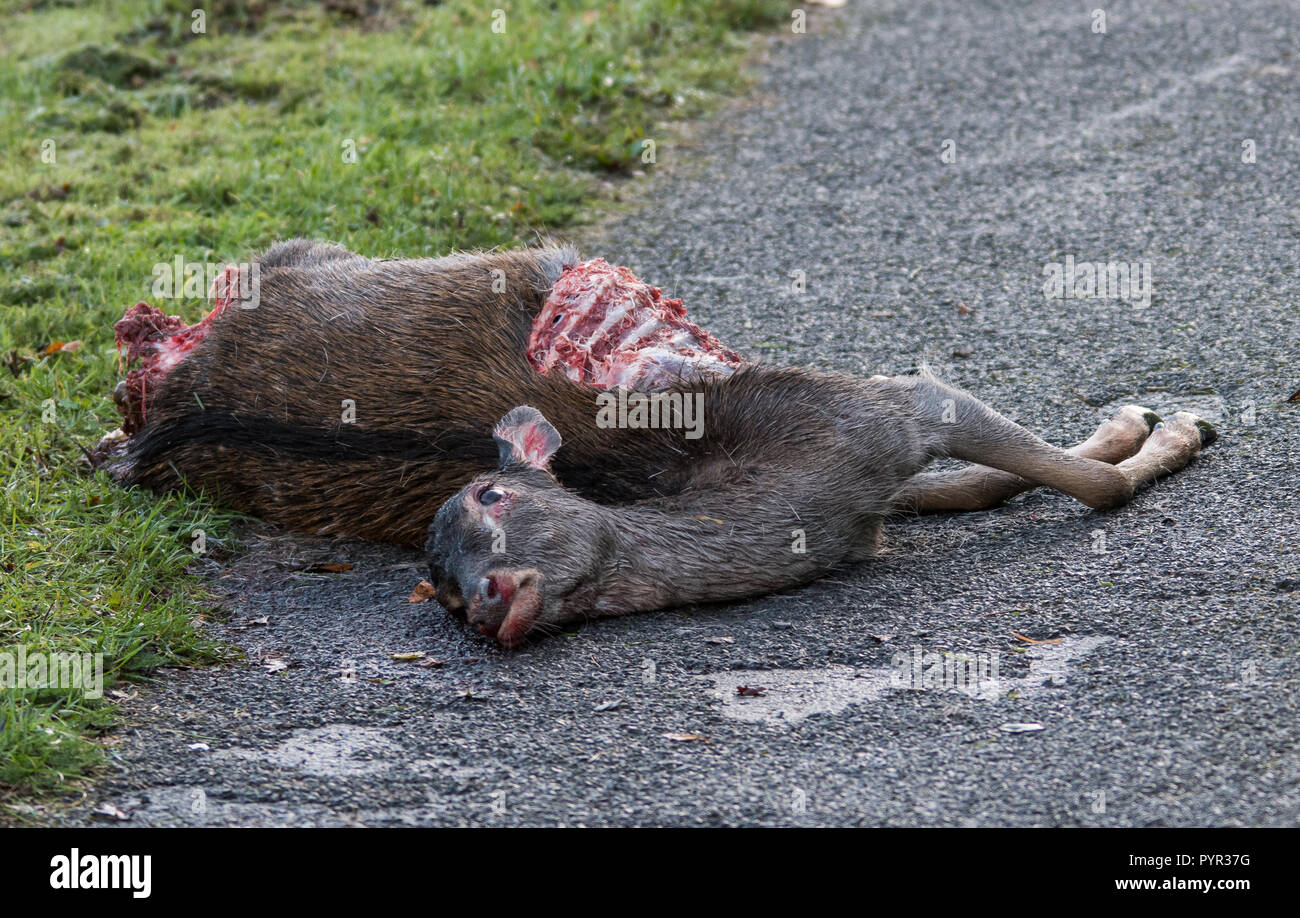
[507,605]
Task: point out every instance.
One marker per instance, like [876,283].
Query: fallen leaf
[881,638]
[107,809]
[710,519]
[1021,728]
[334,567]
[431,662]
[1032,641]
[750,691]
[685,737]
[423,592]
[720,640]
[408,656]
[963,309]
[609,705]
[61,347]
[275,666]
[1295,396]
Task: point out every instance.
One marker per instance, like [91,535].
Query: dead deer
[790,475]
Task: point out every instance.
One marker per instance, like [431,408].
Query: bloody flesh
[159,342]
[602,327]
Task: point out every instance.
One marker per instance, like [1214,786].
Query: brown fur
[432,357]
[631,519]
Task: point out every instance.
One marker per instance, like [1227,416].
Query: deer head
[514,552]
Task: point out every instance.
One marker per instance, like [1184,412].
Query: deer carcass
[581,448]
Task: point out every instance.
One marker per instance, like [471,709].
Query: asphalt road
[1170,694]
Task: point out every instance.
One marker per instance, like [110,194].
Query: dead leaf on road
[1032,641]
[1021,728]
[334,567]
[750,691]
[423,592]
[107,809]
[686,737]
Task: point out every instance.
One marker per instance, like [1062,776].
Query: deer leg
[979,487]
[959,425]
[1170,447]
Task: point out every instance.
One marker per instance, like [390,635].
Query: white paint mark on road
[335,751]
[790,695]
[348,751]
[1153,105]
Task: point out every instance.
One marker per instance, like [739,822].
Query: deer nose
[486,612]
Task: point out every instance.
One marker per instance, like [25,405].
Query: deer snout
[489,603]
[506,604]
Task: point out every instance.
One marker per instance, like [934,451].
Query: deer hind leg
[1170,447]
[963,427]
[979,487]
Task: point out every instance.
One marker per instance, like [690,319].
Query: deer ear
[524,436]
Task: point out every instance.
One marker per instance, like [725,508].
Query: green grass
[213,146]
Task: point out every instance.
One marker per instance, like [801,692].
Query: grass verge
[135,132]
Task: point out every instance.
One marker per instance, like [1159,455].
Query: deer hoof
[1186,425]
[1136,414]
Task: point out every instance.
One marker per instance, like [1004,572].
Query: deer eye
[490,496]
